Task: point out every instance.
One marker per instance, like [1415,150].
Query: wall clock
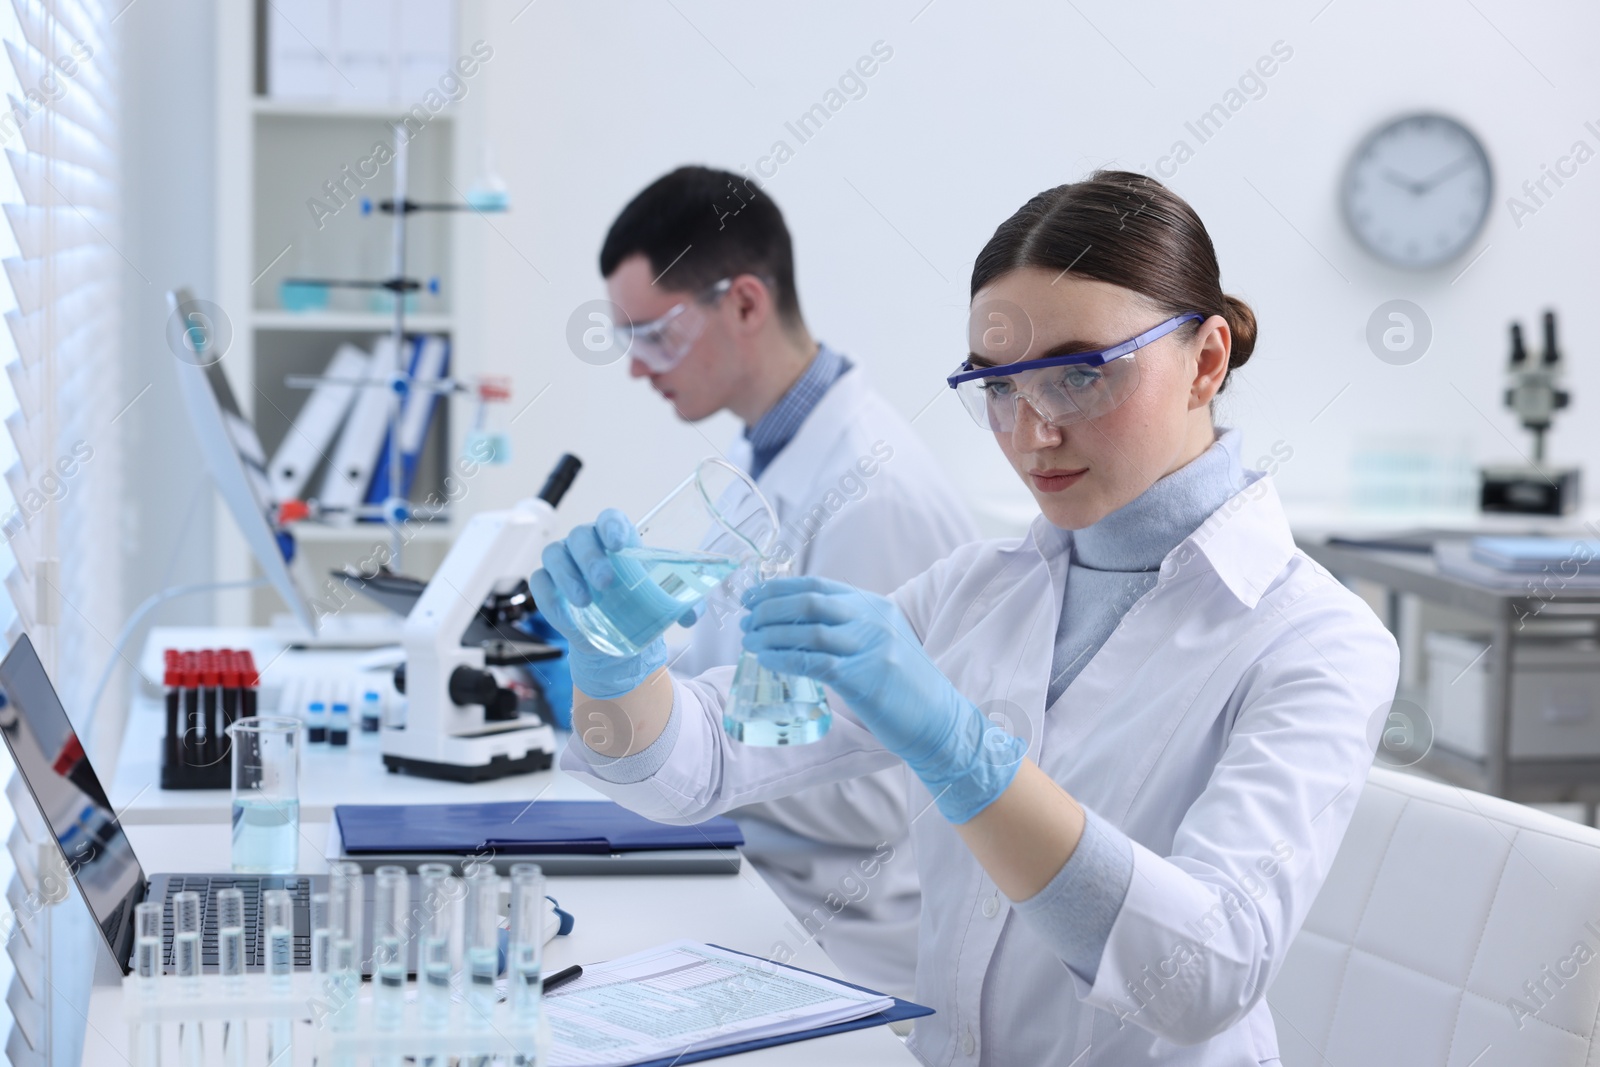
[1417,191]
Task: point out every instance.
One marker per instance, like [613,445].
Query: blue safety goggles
[1061,389]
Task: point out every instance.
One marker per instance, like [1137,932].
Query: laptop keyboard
[252,886]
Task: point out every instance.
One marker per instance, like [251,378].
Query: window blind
[60,398]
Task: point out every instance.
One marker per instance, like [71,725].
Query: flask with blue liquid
[712,525]
[768,708]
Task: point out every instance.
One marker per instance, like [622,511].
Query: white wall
[981,106]
[168,182]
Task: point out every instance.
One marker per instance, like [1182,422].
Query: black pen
[562,977]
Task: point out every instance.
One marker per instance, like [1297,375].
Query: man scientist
[701,267]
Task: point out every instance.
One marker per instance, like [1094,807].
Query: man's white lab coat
[860,499]
[1226,726]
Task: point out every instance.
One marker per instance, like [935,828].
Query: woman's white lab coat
[859,499]
[1226,726]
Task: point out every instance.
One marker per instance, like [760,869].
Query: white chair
[1454,929]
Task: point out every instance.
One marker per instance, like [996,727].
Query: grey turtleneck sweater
[1115,562]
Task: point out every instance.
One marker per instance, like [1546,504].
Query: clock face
[1417,191]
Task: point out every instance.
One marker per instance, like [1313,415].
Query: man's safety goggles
[1060,389]
[662,343]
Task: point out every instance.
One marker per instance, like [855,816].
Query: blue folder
[901,1009]
[567,827]
[1573,556]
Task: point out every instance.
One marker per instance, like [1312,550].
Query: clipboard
[901,1009]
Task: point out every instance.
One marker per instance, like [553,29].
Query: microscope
[1535,394]
[461,724]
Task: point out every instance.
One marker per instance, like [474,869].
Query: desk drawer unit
[1555,695]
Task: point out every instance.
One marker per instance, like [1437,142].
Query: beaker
[713,523]
[266,794]
[768,708]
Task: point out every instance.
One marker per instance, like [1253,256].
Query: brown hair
[1128,230]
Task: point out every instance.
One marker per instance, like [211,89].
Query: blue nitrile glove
[553,675]
[860,644]
[576,567]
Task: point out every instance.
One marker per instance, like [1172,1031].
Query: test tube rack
[205,692]
[327,1021]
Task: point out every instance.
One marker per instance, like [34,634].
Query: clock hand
[1440,175]
[1404,182]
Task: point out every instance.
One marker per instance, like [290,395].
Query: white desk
[187,830]
[614,917]
[328,775]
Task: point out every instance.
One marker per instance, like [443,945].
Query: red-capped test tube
[228,675]
[249,696]
[210,747]
[171,680]
[189,682]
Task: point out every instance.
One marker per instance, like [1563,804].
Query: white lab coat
[874,530]
[1226,726]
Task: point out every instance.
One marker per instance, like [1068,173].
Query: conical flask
[768,708]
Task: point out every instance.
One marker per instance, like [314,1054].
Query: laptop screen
[51,761]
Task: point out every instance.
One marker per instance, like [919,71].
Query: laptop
[51,761]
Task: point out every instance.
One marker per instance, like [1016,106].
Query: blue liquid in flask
[768,708]
[654,588]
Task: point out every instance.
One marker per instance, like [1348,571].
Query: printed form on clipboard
[684,997]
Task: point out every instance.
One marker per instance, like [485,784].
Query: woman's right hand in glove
[575,569]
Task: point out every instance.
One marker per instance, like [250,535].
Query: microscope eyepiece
[1519,354]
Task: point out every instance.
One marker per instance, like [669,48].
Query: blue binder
[430,361]
[901,1009]
[1573,556]
[512,827]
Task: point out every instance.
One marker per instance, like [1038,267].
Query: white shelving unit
[275,159]
[367,322]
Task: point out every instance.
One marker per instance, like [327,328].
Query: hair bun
[1242,323]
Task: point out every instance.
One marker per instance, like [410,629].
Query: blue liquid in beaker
[266,835]
[654,588]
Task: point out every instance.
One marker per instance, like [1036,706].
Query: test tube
[147,945]
[482,941]
[171,679]
[186,959]
[250,698]
[277,919]
[389,921]
[230,933]
[321,934]
[440,890]
[186,934]
[211,750]
[230,965]
[525,950]
[345,900]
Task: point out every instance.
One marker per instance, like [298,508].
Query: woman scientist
[1137,734]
